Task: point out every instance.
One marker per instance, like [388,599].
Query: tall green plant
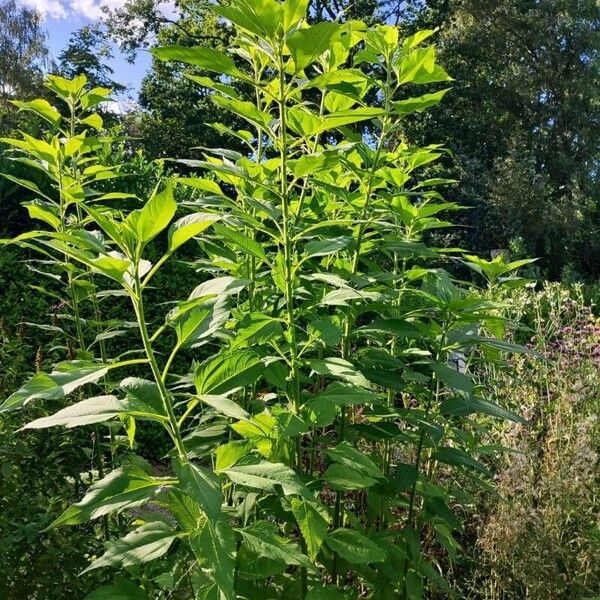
[310,428]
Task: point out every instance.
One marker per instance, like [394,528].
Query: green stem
[165,395]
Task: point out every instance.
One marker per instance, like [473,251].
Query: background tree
[523,122]
[23,56]
[87,53]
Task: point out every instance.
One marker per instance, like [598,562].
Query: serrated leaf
[225,406]
[268,476]
[122,590]
[354,547]
[144,544]
[262,539]
[123,488]
[66,378]
[214,548]
[306,45]
[201,485]
[227,372]
[92,410]
[148,221]
[187,227]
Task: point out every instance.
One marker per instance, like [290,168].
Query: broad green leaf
[148,221]
[187,227]
[199,323]
[199,56]
[453,378]
[419,103]
[327,329]
[306,45]
[122,590]
[41,107]
[142,545]
[244,109]
[326,247]
[261,538]
[122,488]
[328,593]
[220,286]
[257,328]
[466,406]
[322,409]
[66,378]
[268,476]
[142,398]
[312,523]
[340,119]
[346,454]
[42,212]
[262,17]
[340,368]
[354,547]
[227,372]
[201,485]
[293,12]
[225,406]
[92,410]
[241,241]
[342,477]
[215,548]
[458,458]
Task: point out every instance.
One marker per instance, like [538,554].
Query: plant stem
[165,395]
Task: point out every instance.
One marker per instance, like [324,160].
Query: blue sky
[63,17]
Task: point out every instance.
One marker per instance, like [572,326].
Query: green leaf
[123,488]
[144,544]
[354,547]
[244,109]
[156,214]
[187,227]
[66,378]
[262,539]
[225,406]
[268,476]
[342,118]
[122,590]
[326,247]
[321,409]
[312,523]
[262,17]
[340,368]
[327,593]
[327,329]
[342,477]
[227,372]
[293,12]
[241,241]
[466,406]
[199,323]
[92,410]
[453,378]
[458,458]
[255,329]
[214,548]
[199,56]
[219,286]
[346,454]
[306,45]
[41,107]
[201,485]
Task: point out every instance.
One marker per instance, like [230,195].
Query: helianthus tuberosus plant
[323,398]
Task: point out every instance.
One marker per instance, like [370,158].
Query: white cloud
[92,9]
[47,8]
[89,9]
